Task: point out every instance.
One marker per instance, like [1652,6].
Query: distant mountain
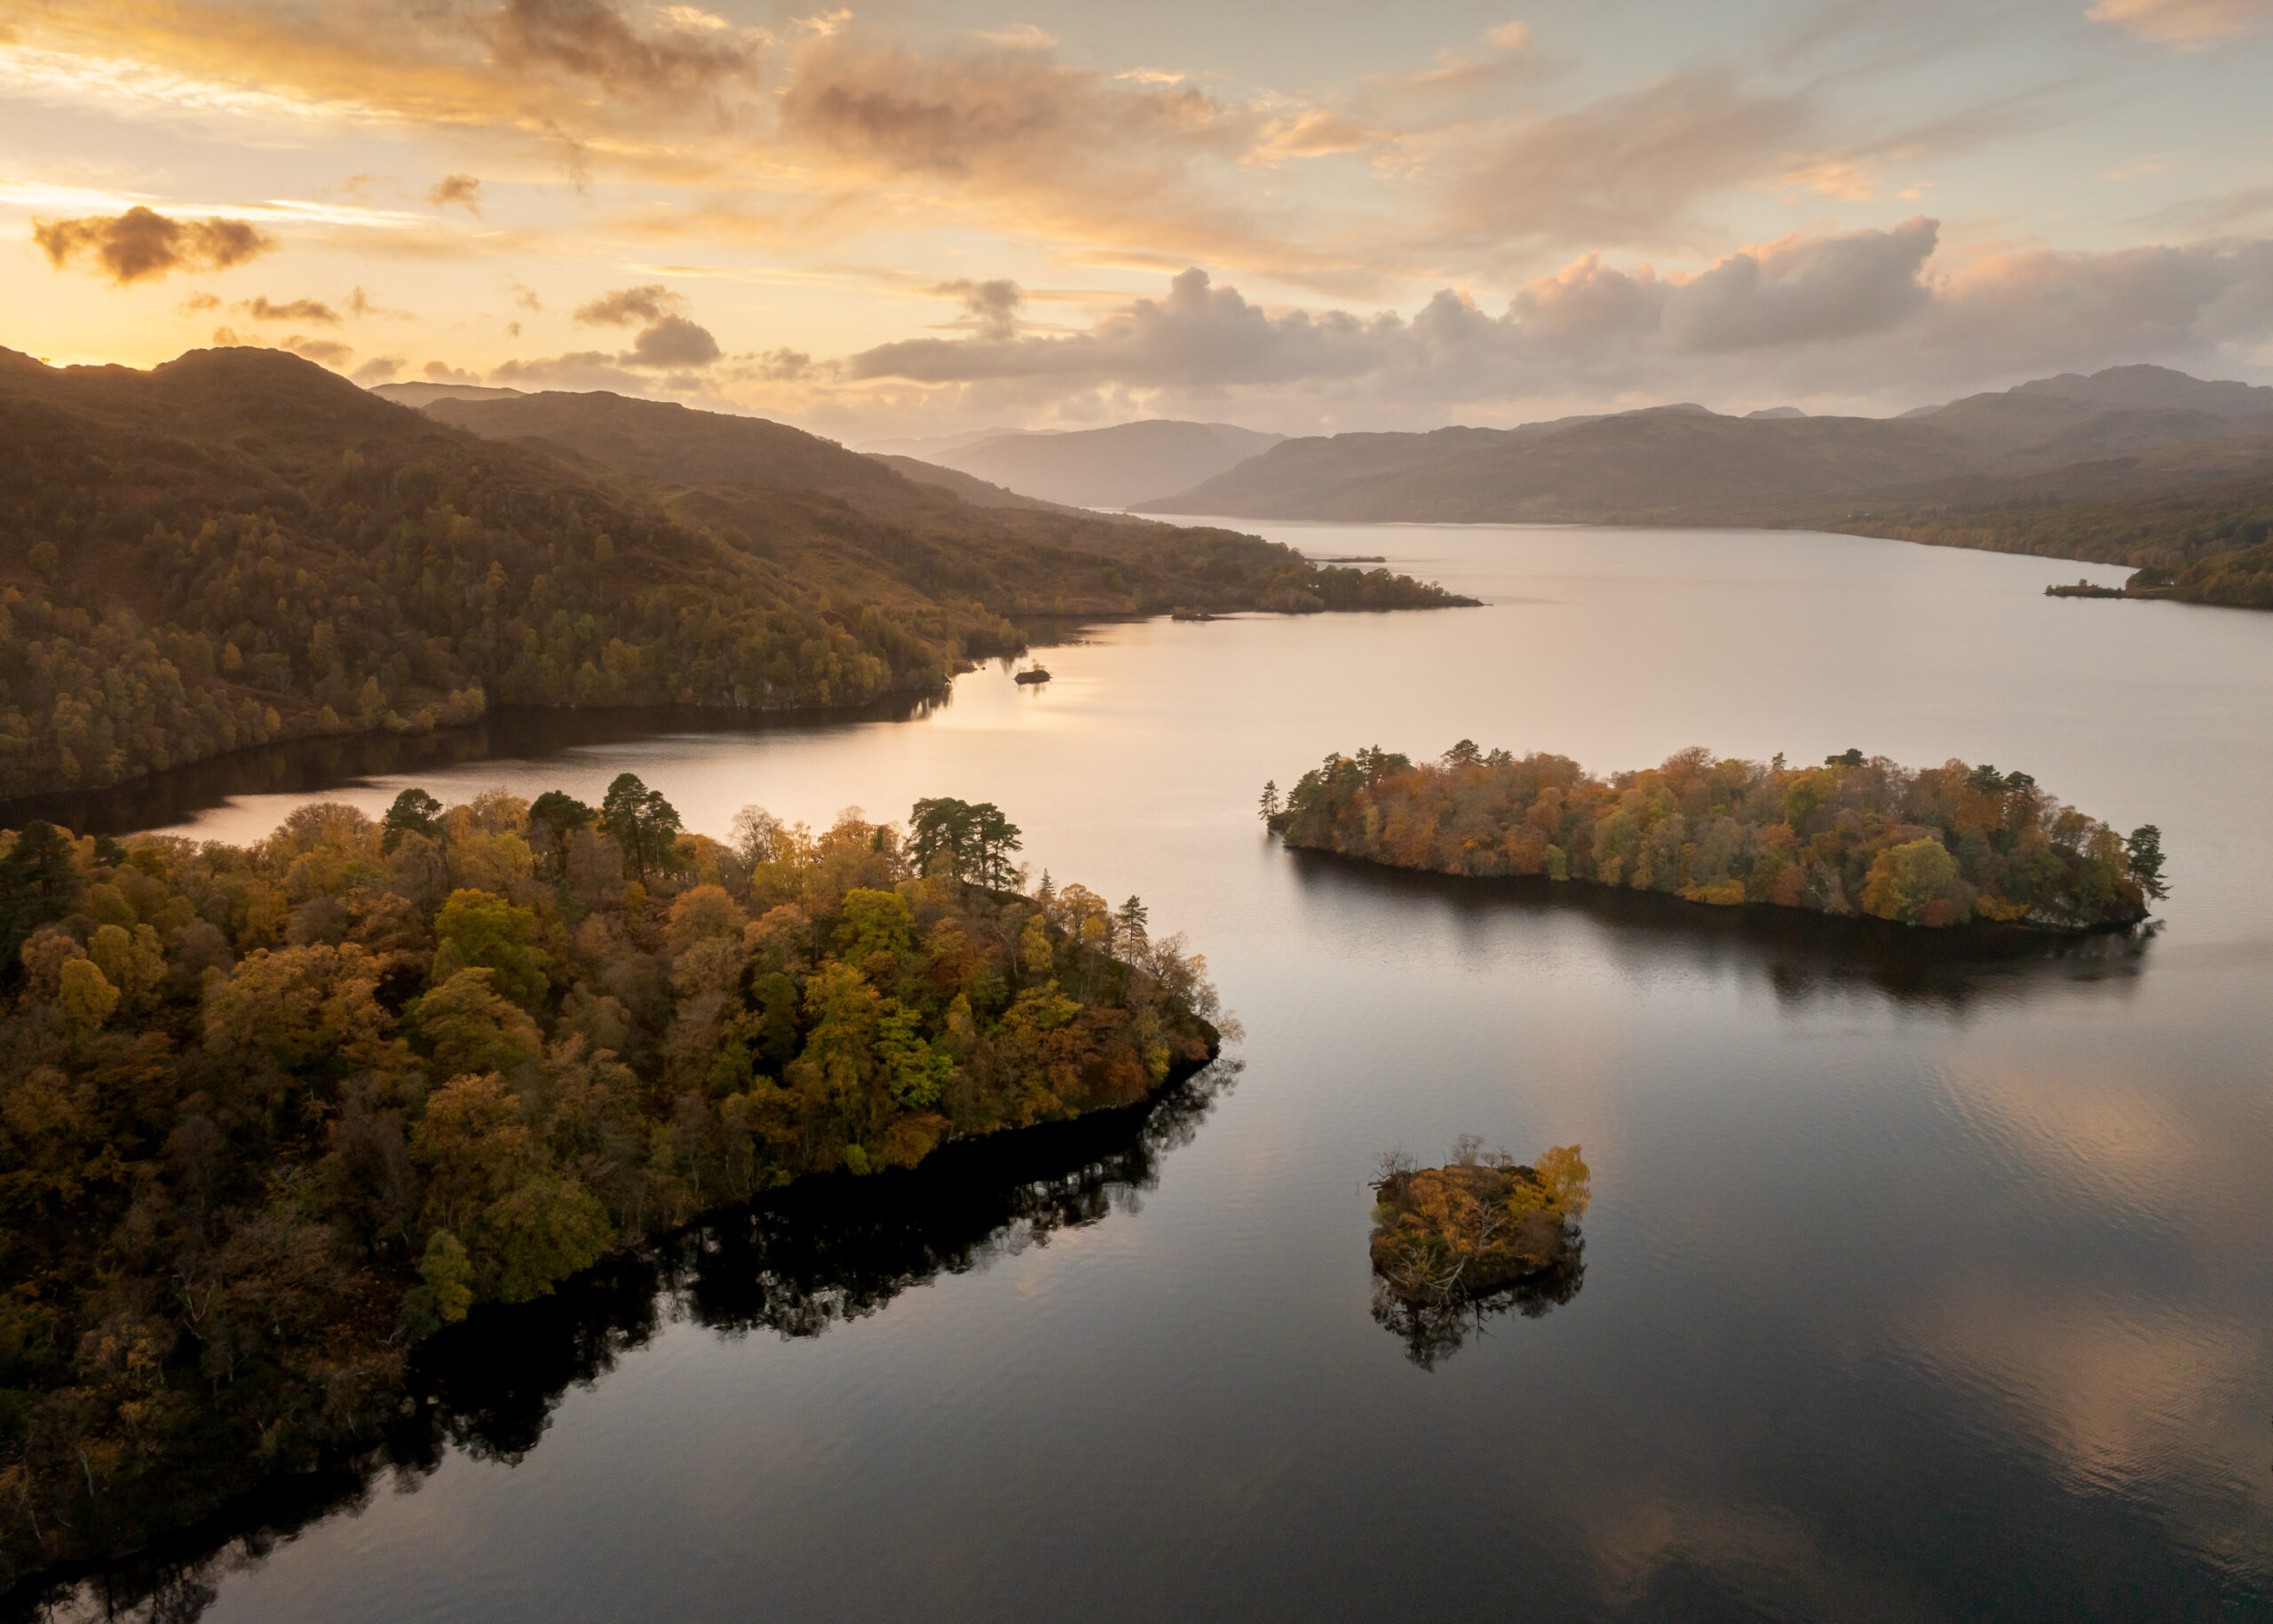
[1113,467]
[1682,465]
[971,488]
[930,446]
[417,395]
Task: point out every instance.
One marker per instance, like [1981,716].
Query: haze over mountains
[1114,467]
[1676,464]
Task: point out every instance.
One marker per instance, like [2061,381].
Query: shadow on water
[306,766]
[820,1254]
[1802,956]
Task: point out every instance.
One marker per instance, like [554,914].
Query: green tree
[2145,849]
[414,813]
[448,1276]
[85,997]
[643,823]
[479,930]
[541,1230]
[553,817]
[468,1028]
[38,885]
[1906,880]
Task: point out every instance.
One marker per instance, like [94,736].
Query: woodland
[271,1117]
[1937,846]
[1480,1235]
[239,547]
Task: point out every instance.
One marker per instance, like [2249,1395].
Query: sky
[906,220]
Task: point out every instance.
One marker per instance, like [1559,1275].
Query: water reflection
[822,1253]
[311,766]
[1434,1326]
[1801,956]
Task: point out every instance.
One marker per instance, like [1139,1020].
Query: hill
[1686,465]
[971,488]
[1113,467]
[238,546]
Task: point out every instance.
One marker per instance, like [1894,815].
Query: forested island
[1935,846]
[270,1116]
[1480,1235]
[239,547]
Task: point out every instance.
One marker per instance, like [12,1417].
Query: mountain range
[1113,467]
[1685,465]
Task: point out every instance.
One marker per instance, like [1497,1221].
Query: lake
[1920,1283]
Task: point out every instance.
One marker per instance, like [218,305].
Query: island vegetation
[1937,846]
[1478,1236]
[270,1116]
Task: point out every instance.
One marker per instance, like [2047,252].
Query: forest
[2205,547]
[271,1116]
[239,547]
[1935,846]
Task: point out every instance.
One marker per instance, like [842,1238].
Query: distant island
[1477,1236]
[269,1116]
[1937,847]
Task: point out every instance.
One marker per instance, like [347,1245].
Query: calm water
[1913,1288]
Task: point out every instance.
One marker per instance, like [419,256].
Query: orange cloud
[141,243]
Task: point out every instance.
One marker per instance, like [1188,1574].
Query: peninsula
[270,1116]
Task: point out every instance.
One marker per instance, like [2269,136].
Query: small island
[270,1116]
[1027,678]
[1478,1236]
[1936,847]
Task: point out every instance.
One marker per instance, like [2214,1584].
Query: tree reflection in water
[1434,1327]
[824,1252]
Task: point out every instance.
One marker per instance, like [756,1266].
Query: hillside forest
[270,1116]
[239,547]
[1935,846]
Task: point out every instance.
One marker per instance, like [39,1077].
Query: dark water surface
[1920,1282]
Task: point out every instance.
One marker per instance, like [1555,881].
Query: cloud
[324,352]
[1805,290]
[361,304]
[588,40]
[668,341]
[197,302]
[524,295]
[379,369]
[2185,25]
[1627,169]
[263,309]
[628,306]
[991,307]
[672,342]
[1853,315]
[1319,133]
[140,243]
[462,190]
[442,372]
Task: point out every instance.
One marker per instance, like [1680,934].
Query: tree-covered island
[1478,1236]
[270,1116]
[1934,846]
